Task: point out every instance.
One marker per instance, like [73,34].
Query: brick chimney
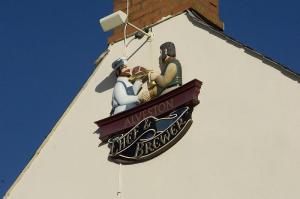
[144,13]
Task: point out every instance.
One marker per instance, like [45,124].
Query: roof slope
[198,21]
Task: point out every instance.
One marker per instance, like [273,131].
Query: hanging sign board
[150,137]
[186,95]
[151,110]
[146,131]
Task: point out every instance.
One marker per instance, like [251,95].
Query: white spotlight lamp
[116,19]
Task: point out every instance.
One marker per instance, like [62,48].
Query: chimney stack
[144,13]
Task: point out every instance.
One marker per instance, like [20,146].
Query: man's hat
[119,62]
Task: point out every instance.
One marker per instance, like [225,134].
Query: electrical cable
[119,192]
[125,29]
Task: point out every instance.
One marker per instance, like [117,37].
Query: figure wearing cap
[170,77]
[125,94]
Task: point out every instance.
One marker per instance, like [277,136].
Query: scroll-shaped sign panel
[146,131]
[151,110]
[149,138]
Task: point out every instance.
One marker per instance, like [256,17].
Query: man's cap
[119,62]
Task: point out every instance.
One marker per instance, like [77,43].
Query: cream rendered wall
[244,142]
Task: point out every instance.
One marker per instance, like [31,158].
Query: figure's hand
[138,70]
[144,96]
[153,76]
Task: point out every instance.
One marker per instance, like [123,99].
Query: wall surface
[244,142]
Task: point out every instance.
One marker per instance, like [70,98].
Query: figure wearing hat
[125,94]
[170,77]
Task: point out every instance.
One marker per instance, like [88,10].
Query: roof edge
[195,18]
[45,141]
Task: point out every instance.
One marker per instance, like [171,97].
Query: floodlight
[116,19]
[112,21]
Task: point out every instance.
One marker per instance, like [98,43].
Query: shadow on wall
[107,83]
[130,56]
[110,80]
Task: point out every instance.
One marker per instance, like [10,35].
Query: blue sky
[47,50]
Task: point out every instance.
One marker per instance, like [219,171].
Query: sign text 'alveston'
[154,110]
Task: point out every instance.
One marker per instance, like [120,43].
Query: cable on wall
[119,192]
[125,29]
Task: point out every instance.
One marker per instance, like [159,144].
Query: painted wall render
[244,142]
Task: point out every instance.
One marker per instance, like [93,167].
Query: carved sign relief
[151,110]
[150,137]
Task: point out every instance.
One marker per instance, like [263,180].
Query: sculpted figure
[125,94]
[170,77]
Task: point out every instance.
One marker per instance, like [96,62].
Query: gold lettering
[112,148]
[173,130]
[147,124]
[165,137]
[138,117]
[127,122]
[122,143]
[150,111]
[129,138]
[170,104]
[148,147]
[144,114]
[180,123]
[135,131]
[162,107]
[156,143]
[155,110]
[139,150]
